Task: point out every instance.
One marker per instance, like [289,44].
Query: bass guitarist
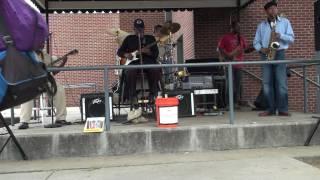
[59,99]
[130,49]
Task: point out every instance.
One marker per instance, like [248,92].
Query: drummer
[161,45]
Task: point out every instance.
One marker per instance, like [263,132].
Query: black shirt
[131,44]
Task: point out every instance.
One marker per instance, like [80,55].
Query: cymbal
[120,35]
[170,27]
[117,32]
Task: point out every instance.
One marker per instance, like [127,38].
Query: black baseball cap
[138,23]
[270,4]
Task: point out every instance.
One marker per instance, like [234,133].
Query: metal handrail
[148,66]
[229,65]
[251,74]
[291,70]
[309,80]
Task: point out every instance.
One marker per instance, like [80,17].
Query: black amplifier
[93,105]
[186,106]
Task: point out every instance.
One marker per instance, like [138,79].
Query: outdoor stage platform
[200,133]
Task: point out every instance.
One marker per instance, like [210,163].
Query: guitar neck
[151,44]
[60,58]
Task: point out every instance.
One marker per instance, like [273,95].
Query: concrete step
[154,140]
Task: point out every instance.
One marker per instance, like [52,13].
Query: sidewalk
[262,164]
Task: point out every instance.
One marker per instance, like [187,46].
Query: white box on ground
[168,115]
[94,124]
[47,120]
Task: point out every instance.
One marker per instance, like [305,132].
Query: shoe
[23,125]
[266,113]
[251,105]
[139,120]
[284,114]
[142,119]
[134,114]
[63,122]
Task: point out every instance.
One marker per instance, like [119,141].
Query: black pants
[237,78]
[152,75]
[237,86]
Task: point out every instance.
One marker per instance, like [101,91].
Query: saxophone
[273,43]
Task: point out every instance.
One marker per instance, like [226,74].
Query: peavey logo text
[97,101]
[180,97]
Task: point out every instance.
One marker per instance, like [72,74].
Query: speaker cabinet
[93,105]
[186,106]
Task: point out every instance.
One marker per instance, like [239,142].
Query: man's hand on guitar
[64,61]
[236,52]
[146,51]
[128,56]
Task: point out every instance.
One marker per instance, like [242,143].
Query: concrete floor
[244,117]
[262,164]
[258,164]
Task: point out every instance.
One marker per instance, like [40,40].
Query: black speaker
[186,106]
[317,24]
[93,105]
[219,82]
[212,70]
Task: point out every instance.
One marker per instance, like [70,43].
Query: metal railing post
[305,89]
[230,87]
[106,99]
[12,116]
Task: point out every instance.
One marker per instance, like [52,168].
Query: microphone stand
[49,50]
[141,63]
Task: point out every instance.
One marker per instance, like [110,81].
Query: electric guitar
[135,54]
[72,52]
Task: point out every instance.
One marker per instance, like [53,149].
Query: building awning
[133,5]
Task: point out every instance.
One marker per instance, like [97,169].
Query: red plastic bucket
[167,112]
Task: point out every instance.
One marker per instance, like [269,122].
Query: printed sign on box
[168,115]
[94,124]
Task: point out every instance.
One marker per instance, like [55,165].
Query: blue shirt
[263,33]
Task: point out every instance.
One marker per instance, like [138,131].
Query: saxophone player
[272,39]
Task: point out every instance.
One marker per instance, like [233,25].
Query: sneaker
[284,114]
[23,125]
[134,114]
[139,120]
[63,122]
[266,113]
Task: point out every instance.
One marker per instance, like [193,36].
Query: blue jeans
[275,85]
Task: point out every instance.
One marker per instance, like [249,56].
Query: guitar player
[59,99]
[149,56]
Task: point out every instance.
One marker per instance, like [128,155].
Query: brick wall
[210,25]
[185,19]
[150,20]
[300,13]
[87,33]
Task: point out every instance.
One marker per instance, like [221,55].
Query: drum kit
[166,48]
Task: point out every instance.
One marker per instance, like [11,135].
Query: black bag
[260,102]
